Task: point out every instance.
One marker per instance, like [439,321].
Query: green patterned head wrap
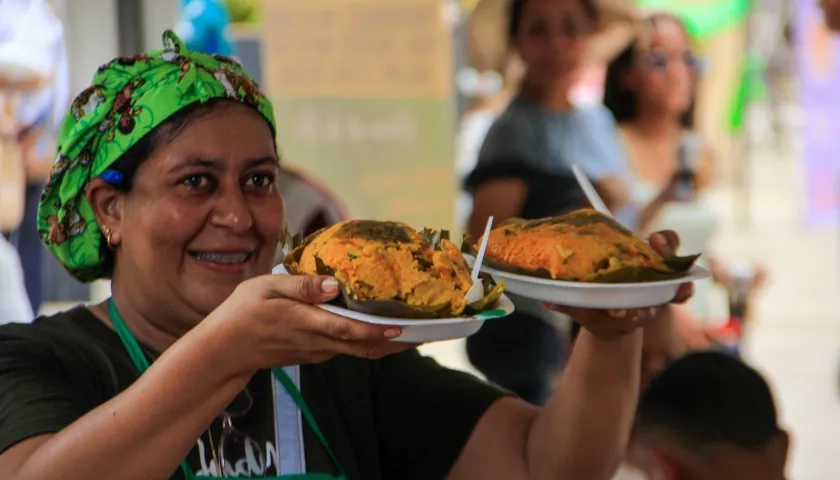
[128,98]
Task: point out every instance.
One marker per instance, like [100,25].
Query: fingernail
[393,333]
[329,285]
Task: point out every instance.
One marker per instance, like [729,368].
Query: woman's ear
[107,204]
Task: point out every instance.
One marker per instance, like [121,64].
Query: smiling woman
[203,365]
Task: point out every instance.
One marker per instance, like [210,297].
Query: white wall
[158,15]
[91,29]
[91,32]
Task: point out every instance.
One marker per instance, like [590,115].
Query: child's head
[710,416]
[656,74]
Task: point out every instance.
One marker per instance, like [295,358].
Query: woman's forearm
[146,431]
[583,430]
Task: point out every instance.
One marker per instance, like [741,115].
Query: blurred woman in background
[524,170]
[14,307]
[650,90]
[32,38]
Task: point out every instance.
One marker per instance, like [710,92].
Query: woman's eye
[260,180]
[196,181]
[690,60]
[657,60]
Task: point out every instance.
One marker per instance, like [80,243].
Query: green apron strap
[290,387]
[141,363]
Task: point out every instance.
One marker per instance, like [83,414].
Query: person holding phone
[650,89]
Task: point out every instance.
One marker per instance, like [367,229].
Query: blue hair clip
[112,176]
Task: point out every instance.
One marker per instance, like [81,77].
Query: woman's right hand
[273,321]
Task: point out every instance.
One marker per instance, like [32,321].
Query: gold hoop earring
[108,234]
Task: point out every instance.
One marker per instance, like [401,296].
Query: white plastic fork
[476,292]
[589,190]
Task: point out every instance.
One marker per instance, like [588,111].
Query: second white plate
[595,295]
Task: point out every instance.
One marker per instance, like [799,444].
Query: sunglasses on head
[657,60]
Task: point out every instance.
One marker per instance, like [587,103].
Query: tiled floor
[796,341]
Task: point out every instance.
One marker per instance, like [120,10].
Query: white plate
[595,295]
[424,331]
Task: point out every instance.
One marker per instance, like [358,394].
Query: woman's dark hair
[125,168]
[518,6]
[622,101]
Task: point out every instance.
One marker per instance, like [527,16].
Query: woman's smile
[229,260]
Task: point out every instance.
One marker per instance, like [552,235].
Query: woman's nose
[232,211]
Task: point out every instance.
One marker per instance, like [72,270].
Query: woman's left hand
[611,324]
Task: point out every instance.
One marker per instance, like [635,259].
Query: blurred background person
[650,90]
[14,303]
[524,170]
[32,36]
[204,26]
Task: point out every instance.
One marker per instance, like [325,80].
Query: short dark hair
[141,151]
[708,399]
[621,101]
[516,8]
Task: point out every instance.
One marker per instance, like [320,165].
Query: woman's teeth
[222,257]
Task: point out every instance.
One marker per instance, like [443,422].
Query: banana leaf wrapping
[294,246]
[608,260]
